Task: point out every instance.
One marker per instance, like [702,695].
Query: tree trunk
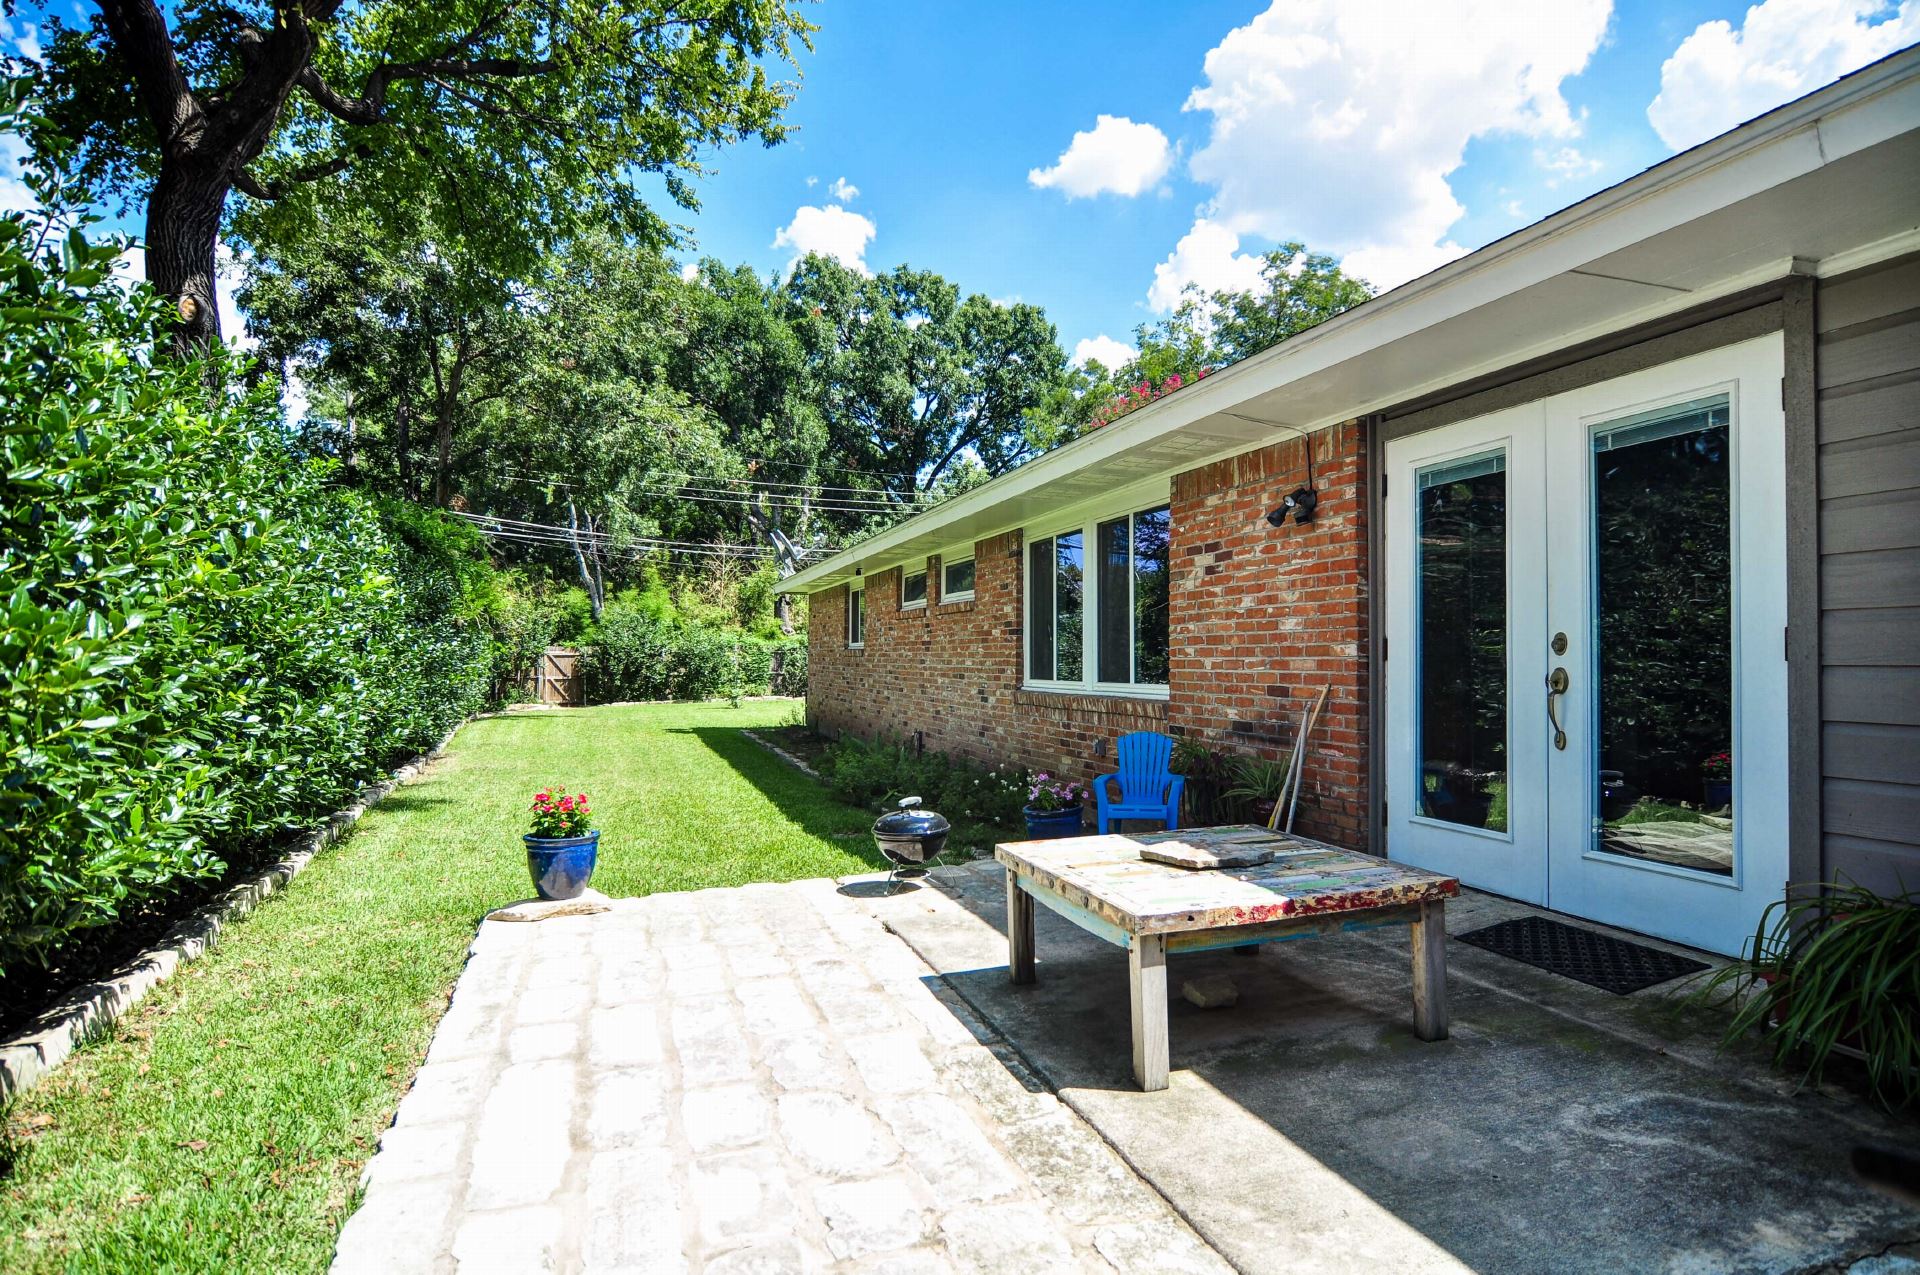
[403,445]
[183,225]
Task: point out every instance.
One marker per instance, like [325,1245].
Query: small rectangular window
[956,582]
[913,589]
[856,617]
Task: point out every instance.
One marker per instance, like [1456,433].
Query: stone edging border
[781,753]
[90,1008]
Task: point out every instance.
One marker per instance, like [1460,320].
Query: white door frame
[1548,854]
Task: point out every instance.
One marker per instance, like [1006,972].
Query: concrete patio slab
[758,1079]
[1559,1129]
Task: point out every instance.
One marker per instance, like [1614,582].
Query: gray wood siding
[1868,374]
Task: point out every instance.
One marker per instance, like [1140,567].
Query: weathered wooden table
[1151,909]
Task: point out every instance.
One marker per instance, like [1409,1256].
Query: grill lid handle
[908,803]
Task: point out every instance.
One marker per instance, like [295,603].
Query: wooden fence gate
[556,677]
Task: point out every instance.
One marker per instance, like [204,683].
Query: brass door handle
[1557,683]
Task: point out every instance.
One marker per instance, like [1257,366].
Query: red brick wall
[951,673]
[1260,620]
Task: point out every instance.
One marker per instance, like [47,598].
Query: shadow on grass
[801,799]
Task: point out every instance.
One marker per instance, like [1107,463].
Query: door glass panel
[1068,589]
[1663,635]
[1461,627]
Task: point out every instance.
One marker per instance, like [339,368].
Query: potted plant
[1205,771]
[1716,777]
[1259,783]
[1053,807]
[564,844]
[1833,971]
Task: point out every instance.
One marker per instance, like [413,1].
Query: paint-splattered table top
[1107,876]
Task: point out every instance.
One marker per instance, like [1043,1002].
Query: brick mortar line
[89,1009]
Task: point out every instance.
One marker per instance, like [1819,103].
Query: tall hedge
[202,642]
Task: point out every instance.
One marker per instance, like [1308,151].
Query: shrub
[202,642]
[638,654]
[876,774]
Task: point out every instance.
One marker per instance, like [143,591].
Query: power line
[710,484]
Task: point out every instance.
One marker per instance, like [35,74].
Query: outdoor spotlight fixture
[1299,505]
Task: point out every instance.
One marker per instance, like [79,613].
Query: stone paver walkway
[760,1079]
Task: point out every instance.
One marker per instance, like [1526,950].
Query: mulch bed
[798,740]
[27,991]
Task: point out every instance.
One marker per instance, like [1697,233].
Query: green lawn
[224,1124]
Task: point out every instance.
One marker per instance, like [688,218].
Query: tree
[913,380]
[1207,331]
[403,341]
[527,120]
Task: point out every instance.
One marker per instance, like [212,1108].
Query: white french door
[1586,677]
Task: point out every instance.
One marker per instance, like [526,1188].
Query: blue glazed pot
[1719,793]
[1044,825]
[562,866]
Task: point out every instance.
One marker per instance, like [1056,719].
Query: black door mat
[1598,960]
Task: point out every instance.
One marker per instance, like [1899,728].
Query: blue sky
[938,112]
[1093,159]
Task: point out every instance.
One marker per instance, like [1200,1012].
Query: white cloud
[1720,76]
[843,191]
[15,194]
[812,182]
[20,37]
[1566,163]
[1104,350]
[1207,256]
[689,271]
[831,231]
[1117,156]
[1338,124]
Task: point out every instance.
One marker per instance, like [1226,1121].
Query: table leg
[1147,975]
[1019,932]
[1430,971]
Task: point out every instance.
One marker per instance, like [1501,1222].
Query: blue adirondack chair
[1148,790]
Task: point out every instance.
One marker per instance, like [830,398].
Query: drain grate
[1598,960]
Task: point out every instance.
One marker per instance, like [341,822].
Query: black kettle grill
[910,838]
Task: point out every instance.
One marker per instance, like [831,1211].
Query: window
[913,589]
[956,579]
[1104,627]
[856,617]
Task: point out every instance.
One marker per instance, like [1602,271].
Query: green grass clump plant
[1833,973]
[222,1125]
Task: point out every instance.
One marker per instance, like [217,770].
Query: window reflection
[1461,542]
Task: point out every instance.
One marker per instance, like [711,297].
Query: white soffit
[1822,179]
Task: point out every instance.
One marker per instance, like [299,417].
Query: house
[1613,578]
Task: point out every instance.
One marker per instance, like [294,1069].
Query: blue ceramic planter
[562,866]
[1044,825]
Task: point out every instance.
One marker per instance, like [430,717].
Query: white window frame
[858,589]
[1087,523]
[954,559]
[926,584]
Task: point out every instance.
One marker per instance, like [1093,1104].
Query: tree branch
[248,184]
[372,102]
[139,31]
